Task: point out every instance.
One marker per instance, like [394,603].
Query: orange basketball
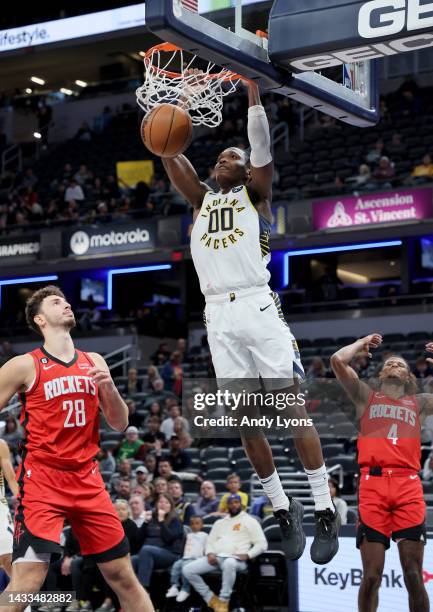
[167,130]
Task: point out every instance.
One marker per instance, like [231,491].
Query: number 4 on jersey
[393,433]
[76,416]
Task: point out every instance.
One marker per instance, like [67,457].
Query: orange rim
[169,48]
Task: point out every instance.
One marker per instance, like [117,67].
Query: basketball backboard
[246,53]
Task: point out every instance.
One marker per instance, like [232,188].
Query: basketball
[167,130]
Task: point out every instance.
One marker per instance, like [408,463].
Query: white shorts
[249,337]
[6,530]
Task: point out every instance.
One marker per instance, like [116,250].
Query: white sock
[274,490]
[318,480]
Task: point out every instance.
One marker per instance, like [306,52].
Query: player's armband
[259,137]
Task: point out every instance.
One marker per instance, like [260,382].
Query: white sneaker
[173,591]
[183,596]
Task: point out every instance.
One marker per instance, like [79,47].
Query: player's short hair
[33,304]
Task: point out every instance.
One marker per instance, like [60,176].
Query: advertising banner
[110,239]
[335,586]
[373,209]
[14,249]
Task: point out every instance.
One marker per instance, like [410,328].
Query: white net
[200,91]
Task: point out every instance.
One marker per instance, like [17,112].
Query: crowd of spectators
[85,191]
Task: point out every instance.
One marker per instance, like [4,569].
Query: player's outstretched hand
[102,378]
[429,349]
[371,341]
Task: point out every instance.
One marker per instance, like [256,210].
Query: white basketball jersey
[230,243]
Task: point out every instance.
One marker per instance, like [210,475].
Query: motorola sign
[306,35]
[94,241]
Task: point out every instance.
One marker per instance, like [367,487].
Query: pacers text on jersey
[68,384]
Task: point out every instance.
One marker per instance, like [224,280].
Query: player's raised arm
[357,390]
[8,470]
[16,375]
[114,408]
[185,179]
[262,165]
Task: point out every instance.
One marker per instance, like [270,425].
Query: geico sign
[392,17]
[366,52]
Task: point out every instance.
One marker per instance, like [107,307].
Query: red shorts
[48,496]
[391,506]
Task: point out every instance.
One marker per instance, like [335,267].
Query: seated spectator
[195,547]
[7,352]
[179,459]
[123,471]
[167,426]
[134,419]
[427,473]
[84,132]
[172,373]
[378,151]
[184,509]
[152,375]
[163,540]
[384,174]
[123,489]
[422,368]
[155,409]
[166,471]
[29,179]
[396,149]
[234,487]
[424,171]
[148,495]
[232,542]
[181,347]
[161,355]
[153,433]
[159,394]
[74,192]
[161,485]
[361,179]
[207,502]
[13,432]
[130,447]
[363,366]
[317,369]
[181,432]
[340,504]
[137,509]
[134,384]
[141,474]
[262,507]
[107,462]
[151,463]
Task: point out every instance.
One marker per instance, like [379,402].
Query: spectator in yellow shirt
[424,170]
[234,487]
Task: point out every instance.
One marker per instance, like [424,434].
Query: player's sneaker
[106,607]
[292,532]
[173,591]
[50,607]
[325,543]
[183,596]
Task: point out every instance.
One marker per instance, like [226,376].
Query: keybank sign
[335,586]
[88,242]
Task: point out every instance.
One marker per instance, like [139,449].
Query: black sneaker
[325,543]
[293,536]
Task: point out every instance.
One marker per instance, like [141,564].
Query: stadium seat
[269,520]
[348,464]
[210,519]
[213,452]
[352,516]
[217,473]
[268,574]
[332,450]
[217,462]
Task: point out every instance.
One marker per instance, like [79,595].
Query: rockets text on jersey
[230,243]
[60,412]
[390,433]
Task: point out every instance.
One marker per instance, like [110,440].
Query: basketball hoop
[198,90]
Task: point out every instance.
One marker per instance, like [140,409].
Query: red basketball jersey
[390,433]
[60,412]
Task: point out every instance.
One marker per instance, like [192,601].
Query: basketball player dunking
[391,501]
[6,524]
[247,333]
[61,389]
